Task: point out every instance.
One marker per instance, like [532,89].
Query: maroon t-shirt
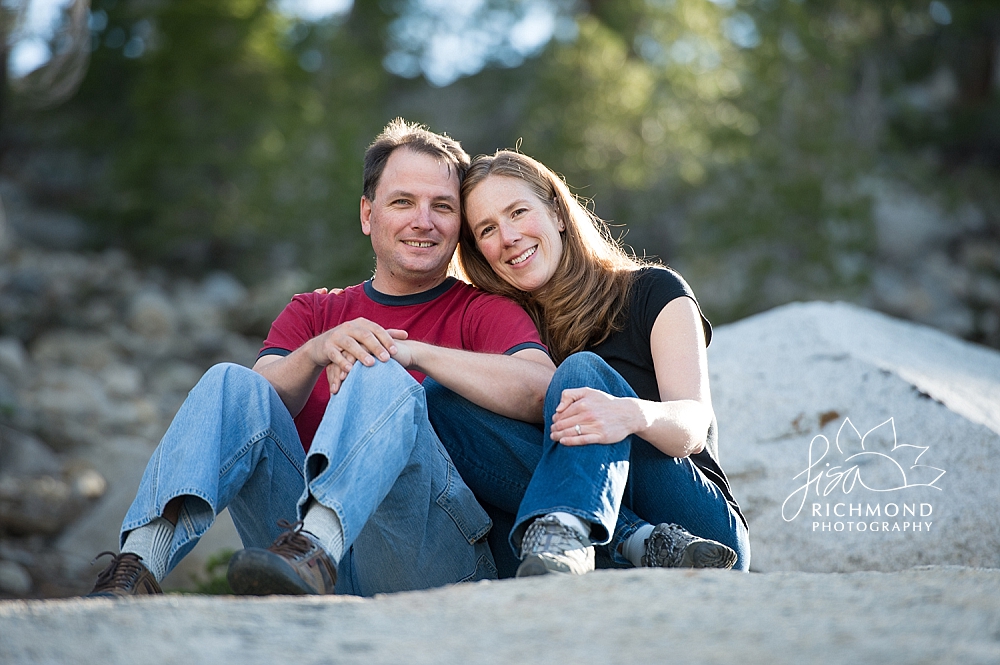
[452,314]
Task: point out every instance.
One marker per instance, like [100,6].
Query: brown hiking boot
[124,576]
[295,564]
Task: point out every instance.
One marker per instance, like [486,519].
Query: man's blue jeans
[409,521]
[516,469]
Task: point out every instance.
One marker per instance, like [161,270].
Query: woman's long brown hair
[584,300]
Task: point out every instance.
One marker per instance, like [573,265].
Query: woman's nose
[509,234]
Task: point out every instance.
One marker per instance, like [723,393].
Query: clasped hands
[359,340]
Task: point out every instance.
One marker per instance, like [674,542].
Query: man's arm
[294,376]
[512,386]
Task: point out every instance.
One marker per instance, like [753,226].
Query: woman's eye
[519,212]
[485,231]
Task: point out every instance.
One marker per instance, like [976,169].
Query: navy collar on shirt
[409,299]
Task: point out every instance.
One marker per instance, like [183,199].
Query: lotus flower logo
[874,461]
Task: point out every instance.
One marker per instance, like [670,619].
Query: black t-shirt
[628,352]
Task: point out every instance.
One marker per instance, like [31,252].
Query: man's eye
[400,202]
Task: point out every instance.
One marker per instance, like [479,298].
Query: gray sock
[152,543]
[573,522]
[635,546]
[323,523]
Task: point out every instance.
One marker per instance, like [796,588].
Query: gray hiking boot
[672,546]
[549,546]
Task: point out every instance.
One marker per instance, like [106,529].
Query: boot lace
[122,572]
[292,543]
[665,546]
[548,534]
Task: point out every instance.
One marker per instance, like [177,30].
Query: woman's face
[516,231]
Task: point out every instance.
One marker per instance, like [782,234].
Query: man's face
[413,222]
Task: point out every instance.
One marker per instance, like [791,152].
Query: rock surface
[942,615]
[96,355]
[897,416]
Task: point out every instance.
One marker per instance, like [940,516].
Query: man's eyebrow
[403,194]
[398,194]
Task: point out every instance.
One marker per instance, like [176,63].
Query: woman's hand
[586,415]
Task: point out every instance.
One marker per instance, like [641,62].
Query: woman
[631,426]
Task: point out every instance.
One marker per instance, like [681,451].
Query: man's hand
[358,340]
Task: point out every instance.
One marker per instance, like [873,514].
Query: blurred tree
[225,128]
[728,135]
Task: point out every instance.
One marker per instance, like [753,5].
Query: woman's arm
[677,425]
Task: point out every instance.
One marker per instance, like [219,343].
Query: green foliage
[721,133]
[214,580]
[219,145]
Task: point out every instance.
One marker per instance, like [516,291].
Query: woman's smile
[523,256]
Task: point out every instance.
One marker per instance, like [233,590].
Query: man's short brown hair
[398,134]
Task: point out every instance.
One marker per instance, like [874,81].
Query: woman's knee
[587,370]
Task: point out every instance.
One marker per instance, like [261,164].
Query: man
[381,506]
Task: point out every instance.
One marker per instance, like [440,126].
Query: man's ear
[366,216]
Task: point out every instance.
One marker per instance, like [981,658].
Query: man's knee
[382,377]
[223,373]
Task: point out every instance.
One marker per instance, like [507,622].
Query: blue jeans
[516,468]
[409,521]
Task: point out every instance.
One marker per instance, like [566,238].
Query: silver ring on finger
[578,432]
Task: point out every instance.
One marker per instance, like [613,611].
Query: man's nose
[422,217]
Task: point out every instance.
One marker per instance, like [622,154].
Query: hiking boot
[672,546]
[549,546]
[295,564]
[124,576]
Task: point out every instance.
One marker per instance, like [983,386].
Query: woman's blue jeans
[516,469]
[409,521]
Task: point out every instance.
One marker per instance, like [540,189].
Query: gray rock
[76,348]
[24,455]
[6,237]
[122,380]
[42,505]
[151,314]
[223,290]
[13,359]
[14,579]
[890,417]
[175,377]
[937,615]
